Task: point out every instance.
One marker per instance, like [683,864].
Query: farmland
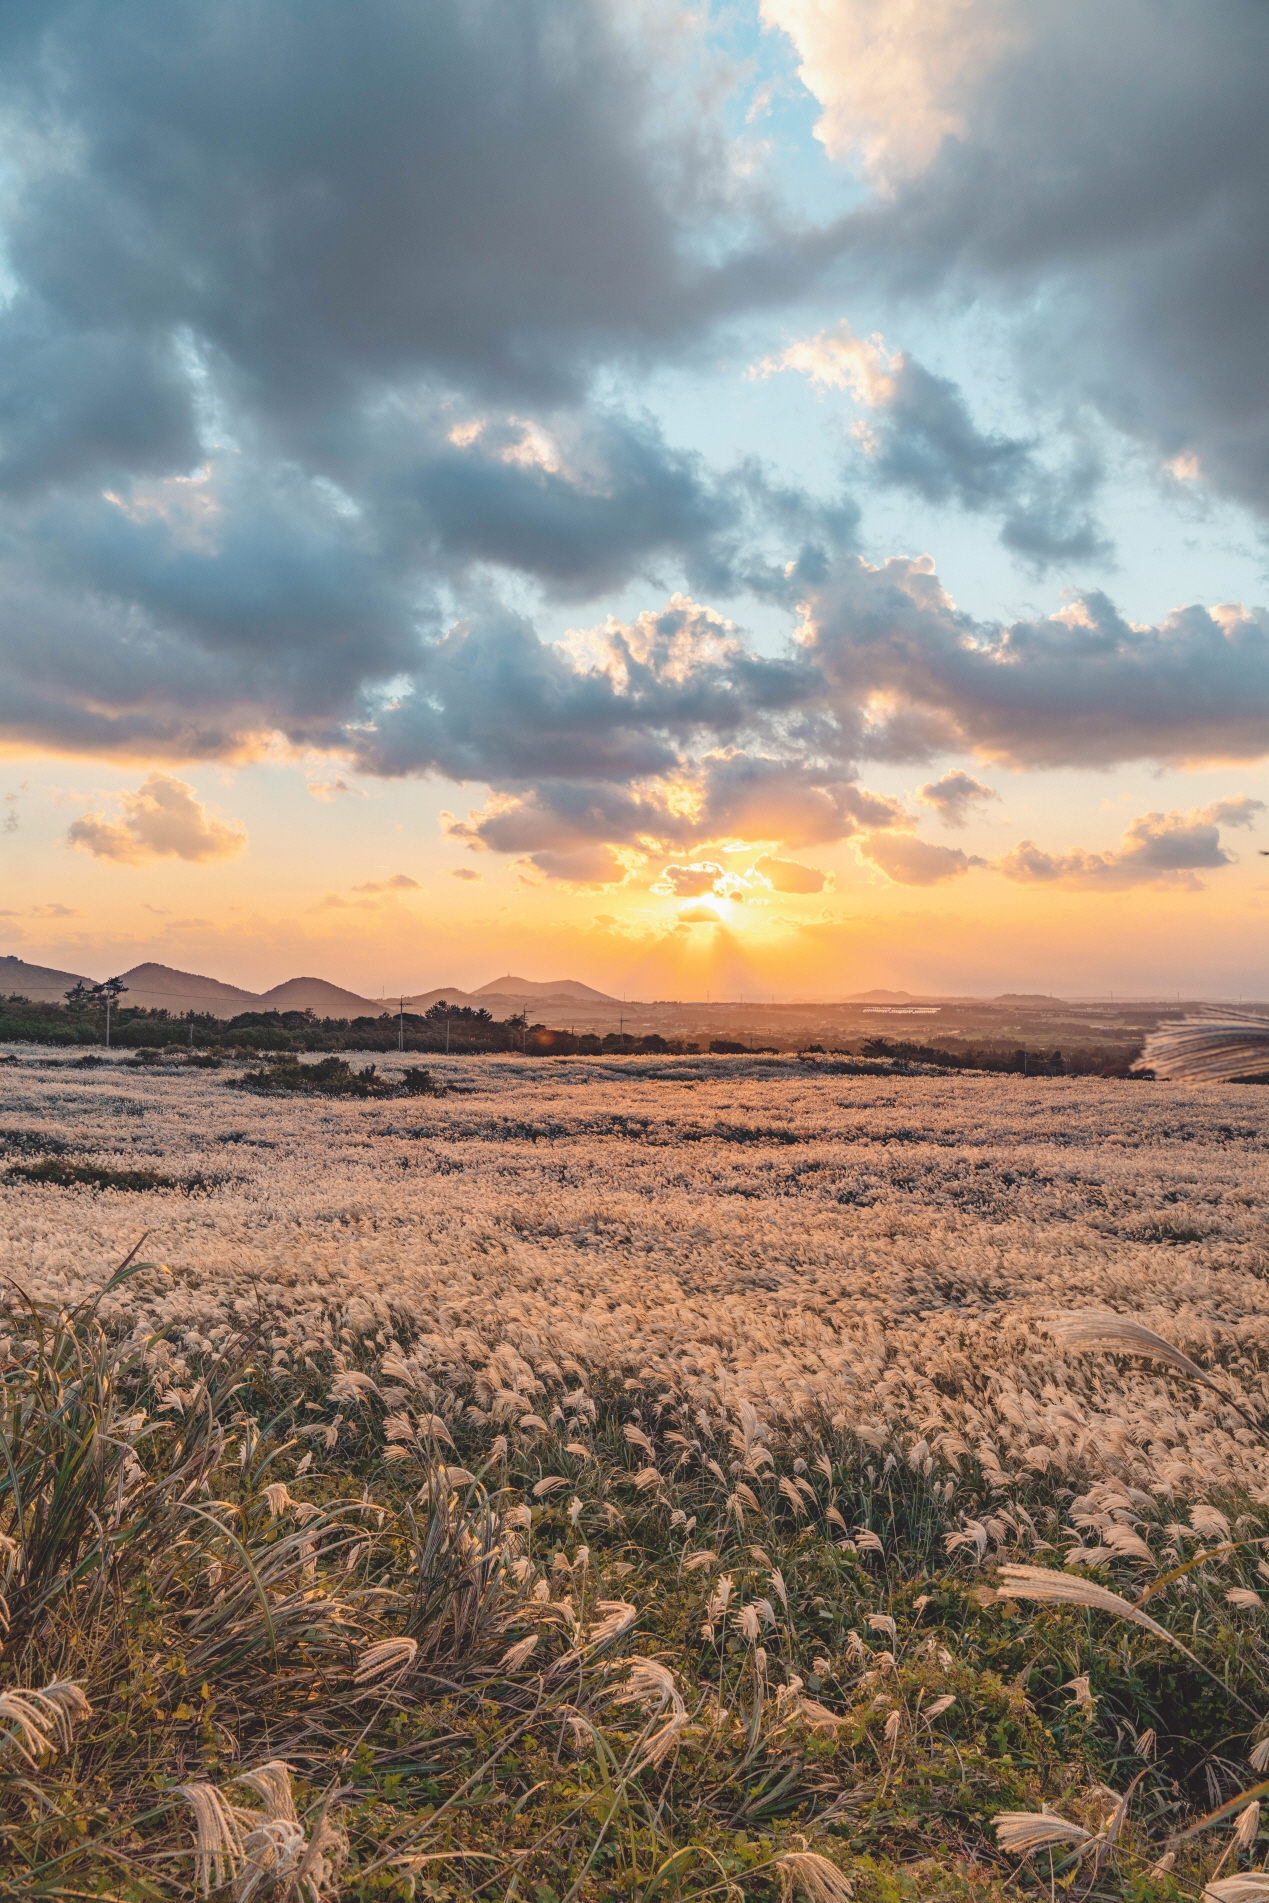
[673,1419]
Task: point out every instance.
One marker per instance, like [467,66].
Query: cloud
[1082,687]
[464,872]
[837,359]
[922,438]
[910,861]
[955,795]
[162,817]
[699,915]
[334,789]
[335,262]
[256,440]
[1117,222]
[894,81]
[53,910]
[1157,849]
[688,882]
[399,882]
[669,735]
[587,865]
[658,795]
[492,701]
[786,875]
[285,425]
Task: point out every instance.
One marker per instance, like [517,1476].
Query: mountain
[329,1001]
[40,983]
[159,987]
[564,988]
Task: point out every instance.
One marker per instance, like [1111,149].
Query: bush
[417,1082]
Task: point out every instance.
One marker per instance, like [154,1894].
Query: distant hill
[329,1001]
[40,983]
[570,988]
[159,987]
[162,987]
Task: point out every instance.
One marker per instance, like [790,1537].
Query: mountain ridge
[43,984]
[162,987]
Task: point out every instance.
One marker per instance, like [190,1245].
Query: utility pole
[401,1026]
[109,991]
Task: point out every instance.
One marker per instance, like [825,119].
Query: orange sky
[298,895]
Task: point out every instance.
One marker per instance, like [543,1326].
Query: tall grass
[353,1630]
[637,1485]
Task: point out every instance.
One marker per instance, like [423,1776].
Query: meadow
[628,1479]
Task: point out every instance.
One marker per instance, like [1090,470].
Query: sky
[765,498]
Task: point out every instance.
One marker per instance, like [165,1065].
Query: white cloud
[161,818]
[910,861]
[838,360]
[1157,849]
[894,77]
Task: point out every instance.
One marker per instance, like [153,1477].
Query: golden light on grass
[728,1365]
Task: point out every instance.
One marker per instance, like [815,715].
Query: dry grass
[645,1479]
[870,1247]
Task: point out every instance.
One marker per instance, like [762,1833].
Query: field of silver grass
[634,1479]
[882,1250]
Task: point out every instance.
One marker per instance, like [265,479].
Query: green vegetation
[565,1638]
[462,1031]
[995,1054]
[332,1077]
